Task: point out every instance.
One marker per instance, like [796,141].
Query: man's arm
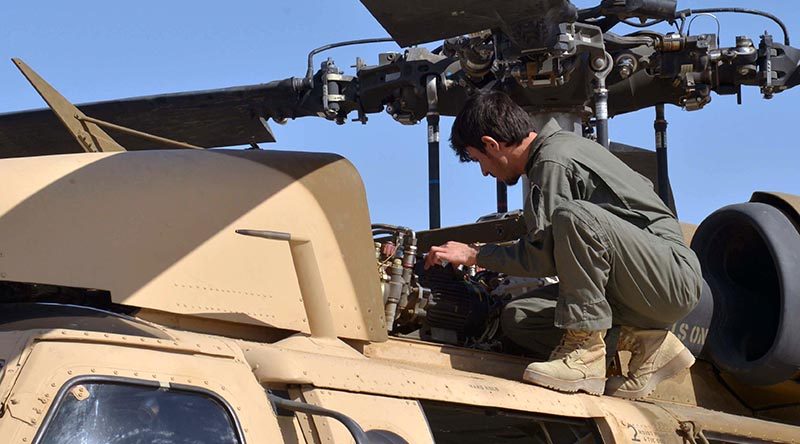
[532,255]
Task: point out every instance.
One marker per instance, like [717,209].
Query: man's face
[495,163]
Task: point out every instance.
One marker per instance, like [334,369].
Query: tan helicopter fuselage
[216,319]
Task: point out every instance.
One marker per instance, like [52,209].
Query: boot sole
[682,361]
[592,386]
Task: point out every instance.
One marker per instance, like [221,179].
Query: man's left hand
[455,253]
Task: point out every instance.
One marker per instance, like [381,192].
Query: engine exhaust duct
[750,254]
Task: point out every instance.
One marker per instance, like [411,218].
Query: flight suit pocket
[533,215]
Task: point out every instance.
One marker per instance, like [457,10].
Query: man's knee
[528,322]
[510,319]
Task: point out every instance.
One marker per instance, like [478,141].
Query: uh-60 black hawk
[152,291]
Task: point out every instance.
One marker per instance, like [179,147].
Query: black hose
[352,426]
[688,12]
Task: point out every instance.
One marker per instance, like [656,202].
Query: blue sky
[99,50]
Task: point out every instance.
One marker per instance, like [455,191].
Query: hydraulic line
[688,12]
[309,79]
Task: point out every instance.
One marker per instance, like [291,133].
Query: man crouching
[601,228]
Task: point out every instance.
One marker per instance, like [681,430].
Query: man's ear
[490,145]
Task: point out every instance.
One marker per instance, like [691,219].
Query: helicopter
[185,319]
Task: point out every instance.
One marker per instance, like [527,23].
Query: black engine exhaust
[750,254]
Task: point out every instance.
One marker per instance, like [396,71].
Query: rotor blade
[412,22]
[213,118]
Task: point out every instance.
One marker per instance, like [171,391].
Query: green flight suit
[599,226]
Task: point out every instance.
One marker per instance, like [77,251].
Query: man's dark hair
[491,114]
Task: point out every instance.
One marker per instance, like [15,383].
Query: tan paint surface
[399,379]
[333,375]
[789,203]
[53,363]
[735,425]
[639,422]
[401,417]
[445,356]
[688,231]
[156,229]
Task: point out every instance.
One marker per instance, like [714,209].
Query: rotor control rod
[602,67]
[434,210]
[660,125]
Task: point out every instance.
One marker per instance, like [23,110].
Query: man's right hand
[455,253]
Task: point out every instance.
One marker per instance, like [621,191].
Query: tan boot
[656,355]
[578,363]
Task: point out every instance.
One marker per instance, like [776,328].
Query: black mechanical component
[460,309]
[660,126]
[501,227]
[309,79]
[615,11]
[435,220]
[475,52]
[442,303]
[750,254]
[412,22]
[544,54]
[502,197]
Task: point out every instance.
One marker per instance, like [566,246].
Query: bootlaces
[572,341]
[629,342]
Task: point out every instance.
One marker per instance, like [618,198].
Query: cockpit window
[125,413]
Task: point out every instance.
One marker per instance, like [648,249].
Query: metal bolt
[599,63]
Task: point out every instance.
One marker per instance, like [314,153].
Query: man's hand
[455,253]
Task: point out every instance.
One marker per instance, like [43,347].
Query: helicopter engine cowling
[750,255]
